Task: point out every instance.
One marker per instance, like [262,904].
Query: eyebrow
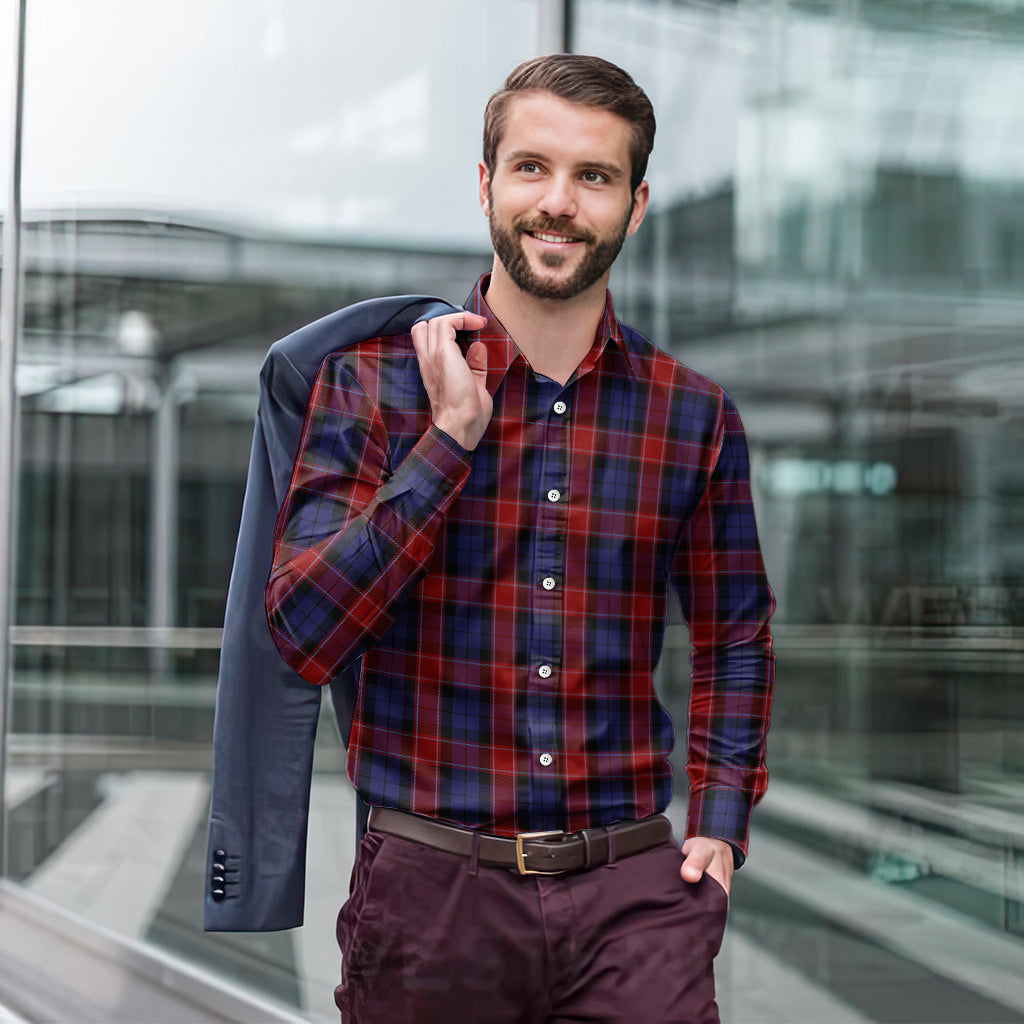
[613,171]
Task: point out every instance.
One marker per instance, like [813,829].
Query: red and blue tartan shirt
[509,603]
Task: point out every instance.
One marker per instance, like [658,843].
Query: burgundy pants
[430,938]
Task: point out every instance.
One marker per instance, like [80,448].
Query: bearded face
[553,275]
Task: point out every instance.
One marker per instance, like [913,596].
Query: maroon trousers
[432,938]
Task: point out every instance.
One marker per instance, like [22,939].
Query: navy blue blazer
[266,714]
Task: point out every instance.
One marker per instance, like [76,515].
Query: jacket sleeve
[353,536]
[719,576]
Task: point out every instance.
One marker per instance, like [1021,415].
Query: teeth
[551,238]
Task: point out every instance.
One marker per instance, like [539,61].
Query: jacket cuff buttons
[218,875]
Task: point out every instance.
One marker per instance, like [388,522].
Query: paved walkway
[810,941]
[116,867]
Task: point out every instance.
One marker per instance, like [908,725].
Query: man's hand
[459,402]
[711,855]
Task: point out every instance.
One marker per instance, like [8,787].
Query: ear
[640,199]
[485,182]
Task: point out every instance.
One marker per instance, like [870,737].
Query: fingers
[456,385]
[446,326]
[463,320]
[473,321]
[434,339]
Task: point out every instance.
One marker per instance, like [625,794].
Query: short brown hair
[577,78]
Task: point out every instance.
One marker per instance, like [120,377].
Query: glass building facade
[836,235]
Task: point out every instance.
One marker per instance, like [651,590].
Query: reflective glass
[8,57]
[836,236]
[8,30]
[200,178]
[8,22]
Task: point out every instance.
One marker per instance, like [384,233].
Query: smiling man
[490,512]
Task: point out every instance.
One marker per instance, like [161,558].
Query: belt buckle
[521,855]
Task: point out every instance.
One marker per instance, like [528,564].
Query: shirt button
[548,583]
[560,407]
[544,671]
[545,759]
[554,495]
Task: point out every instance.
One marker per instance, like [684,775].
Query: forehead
[542,123]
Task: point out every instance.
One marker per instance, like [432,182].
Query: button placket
[550,506]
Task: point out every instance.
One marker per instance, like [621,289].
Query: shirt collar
[502,350]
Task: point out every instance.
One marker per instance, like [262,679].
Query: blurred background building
[836,236]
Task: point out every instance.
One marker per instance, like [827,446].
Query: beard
[598,257]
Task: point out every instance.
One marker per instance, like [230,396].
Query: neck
[553,334]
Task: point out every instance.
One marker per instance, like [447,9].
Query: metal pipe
[553,23]
[10,320]
[163,548]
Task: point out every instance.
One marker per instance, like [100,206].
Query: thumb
[694,864]
[477,357]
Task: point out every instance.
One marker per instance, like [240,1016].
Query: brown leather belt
[530,853]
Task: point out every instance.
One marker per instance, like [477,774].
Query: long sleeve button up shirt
[509,603]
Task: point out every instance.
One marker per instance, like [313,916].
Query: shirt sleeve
[353,538]
[719,576]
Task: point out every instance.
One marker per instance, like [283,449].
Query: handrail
[166,637]
[805,637]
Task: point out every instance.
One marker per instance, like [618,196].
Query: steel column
[10,321]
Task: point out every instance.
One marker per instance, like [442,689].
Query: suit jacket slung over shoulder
[266,715]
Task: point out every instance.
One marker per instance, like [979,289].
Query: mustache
[552,226]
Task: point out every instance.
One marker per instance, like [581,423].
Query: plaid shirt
[509,603]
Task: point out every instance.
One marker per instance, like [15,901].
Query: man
[490,511]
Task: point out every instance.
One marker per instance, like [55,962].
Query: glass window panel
[8,55]
[200,179]
[8,23]
[835,236]
[329,119]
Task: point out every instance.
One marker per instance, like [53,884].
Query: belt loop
[587,850]
[474,853]
[610,833]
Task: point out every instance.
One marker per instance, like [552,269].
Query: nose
[559,199]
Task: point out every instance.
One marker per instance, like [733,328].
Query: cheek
[513,198]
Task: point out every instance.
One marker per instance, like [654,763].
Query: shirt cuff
[449,442]
[720,813]
[429,477]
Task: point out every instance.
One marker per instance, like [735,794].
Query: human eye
[528,167]
[595,177]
